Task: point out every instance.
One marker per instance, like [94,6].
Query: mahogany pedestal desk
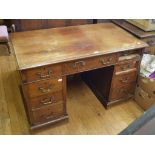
[107,57]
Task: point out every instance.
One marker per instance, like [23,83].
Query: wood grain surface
[48,46]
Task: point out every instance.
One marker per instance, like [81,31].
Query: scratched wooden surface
[40,47]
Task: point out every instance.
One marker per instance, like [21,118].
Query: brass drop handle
[141,95]
[124,80]
[104,62]
[123,68]
[44,90]
[42,76]
[82,63]
[47,101]
[109,60]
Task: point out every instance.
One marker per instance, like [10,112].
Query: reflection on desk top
[49,46]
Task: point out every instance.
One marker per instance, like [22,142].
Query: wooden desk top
[134,29]
[49,46]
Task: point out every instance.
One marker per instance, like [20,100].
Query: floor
[86,114]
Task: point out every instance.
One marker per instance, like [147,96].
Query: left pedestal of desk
[44,93]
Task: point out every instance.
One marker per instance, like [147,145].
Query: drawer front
[41,73]
[80,65]
[122,92]
[43,87]
[107,60]
[120,80]
[127,66]
[45,100]
[88,64]
[131,57]
[48,113]
[70,68]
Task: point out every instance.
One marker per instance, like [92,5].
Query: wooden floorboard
[86,113]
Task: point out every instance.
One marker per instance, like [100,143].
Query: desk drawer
[46,114]
[127,66]
[42,87]
[122,92]
[107,60]
[80,65]
[41,73]
[120,80]
[70,67]
[89,63]
[46,100]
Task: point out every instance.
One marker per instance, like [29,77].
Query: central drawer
[89,63]
[42,87]
[80,65]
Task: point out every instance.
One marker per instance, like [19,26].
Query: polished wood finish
[70,50]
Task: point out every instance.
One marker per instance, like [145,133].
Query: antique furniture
[148,37]
[4,37]
[107,57]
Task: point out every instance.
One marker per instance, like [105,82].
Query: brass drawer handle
[104,62]
[125,80]
[43,76]
[82,63]
[47,101]
[44,90]
[109,60]
[123,68]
